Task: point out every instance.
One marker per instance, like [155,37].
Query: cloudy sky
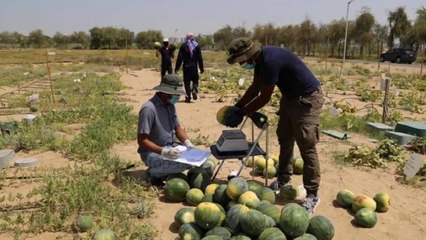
[176,17]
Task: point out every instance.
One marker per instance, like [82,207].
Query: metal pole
[346,38]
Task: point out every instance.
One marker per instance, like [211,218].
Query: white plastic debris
[241,81]
[26,162]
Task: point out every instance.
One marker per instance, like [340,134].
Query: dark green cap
[242,49]
[171,84]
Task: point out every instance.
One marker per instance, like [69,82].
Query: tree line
[365,37]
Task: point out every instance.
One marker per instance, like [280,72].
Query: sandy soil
[405,220]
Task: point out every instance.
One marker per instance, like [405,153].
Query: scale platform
[236,154]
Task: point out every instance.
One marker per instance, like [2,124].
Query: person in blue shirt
[299,112]
[191,58]
[167,54]
[160,132]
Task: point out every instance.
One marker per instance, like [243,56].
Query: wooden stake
[50,76]
[385,101]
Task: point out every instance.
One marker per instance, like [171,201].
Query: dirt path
[405,220]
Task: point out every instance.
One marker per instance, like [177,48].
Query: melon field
[86,179]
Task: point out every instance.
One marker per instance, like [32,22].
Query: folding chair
[261,122]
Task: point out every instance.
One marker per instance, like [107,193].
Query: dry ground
[405,220]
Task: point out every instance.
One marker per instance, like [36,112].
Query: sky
[174,18]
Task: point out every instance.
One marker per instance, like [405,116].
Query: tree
[419,28]
[399,26]
[37,39]
[81,38]
[336,35]
[224,36]
[266,34]
[380,33]
[146,39]
[60,40]
[307,37]
[363,30]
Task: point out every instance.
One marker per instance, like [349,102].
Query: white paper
[193,156]
[413,164]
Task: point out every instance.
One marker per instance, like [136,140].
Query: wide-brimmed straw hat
[170,84]
[242,49]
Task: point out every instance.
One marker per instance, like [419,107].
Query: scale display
[232,141]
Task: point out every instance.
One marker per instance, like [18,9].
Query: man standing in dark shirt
[299,112]
[192,59]
[167,54]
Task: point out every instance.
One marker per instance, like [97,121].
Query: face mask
[248,65]
[174,99]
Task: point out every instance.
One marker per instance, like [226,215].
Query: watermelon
[190,231]
[260,162]
[275,157]
[382,202]
[233,217]
[194,196]
[272,233]
[363,201]
[220,195]
[199,180]
[207,198]
[366,217]
[84,223]
[220,231]
[288,192]
[267,194]
[294,220]
[211,188]
[230,204]
[223,113]
[209,166]
[207,215]
[250,162]
[177,175]
[212,237]
[255,187]
[105,234]
[175,189]
[270,210]
[321,228]
[270,172]
[254,223]
[298,165]
[249,199]
[345,198]
[236,187]
[184,215]
[34,108]
[240,237]
[306,236]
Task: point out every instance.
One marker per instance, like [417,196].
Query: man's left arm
[261,100]
[200,59]
[183,137]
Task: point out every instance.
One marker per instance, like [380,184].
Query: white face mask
[174,99]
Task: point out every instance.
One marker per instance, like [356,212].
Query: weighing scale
[232,141]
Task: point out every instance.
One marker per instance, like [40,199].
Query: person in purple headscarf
[191,58]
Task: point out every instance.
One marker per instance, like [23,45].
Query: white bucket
[29,118]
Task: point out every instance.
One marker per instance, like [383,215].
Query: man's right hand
[170,152]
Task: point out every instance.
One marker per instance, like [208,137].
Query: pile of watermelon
[363,206]
[267,168]
[240,209]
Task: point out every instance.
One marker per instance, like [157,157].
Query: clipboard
[193,156]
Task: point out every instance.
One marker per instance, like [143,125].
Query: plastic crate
[413,128]
[399,137]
